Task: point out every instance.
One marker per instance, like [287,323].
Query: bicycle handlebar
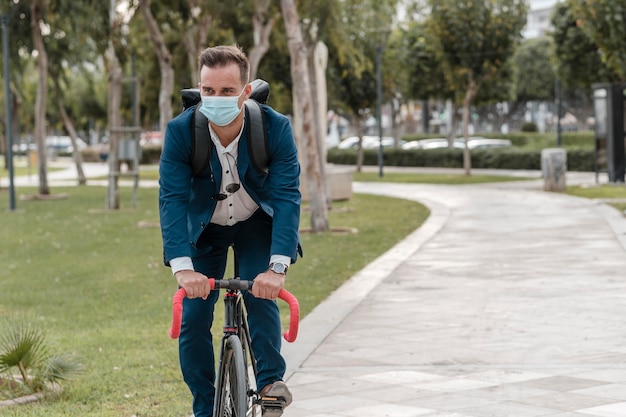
[236,284]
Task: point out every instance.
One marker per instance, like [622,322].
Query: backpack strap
[201,142]
[257,137]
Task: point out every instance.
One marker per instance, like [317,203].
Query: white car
[474,142]
[369,142]
[432,144]
[63,144]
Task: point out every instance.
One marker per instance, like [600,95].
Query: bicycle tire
[232,395]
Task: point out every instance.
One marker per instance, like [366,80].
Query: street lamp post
[4,19]
[559,109]
[379,100]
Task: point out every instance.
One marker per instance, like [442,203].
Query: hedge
[578,159]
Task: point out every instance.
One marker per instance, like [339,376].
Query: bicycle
[235,395]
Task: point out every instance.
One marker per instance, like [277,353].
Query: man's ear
[247,90]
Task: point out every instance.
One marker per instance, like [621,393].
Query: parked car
[432,144]
[23,147]
[63,144]
[369,142]
[474,142]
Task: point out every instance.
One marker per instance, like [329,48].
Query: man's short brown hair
[223,55]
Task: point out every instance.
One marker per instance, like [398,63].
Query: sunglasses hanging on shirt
[230,189]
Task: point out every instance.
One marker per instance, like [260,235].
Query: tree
[576,56]
[533,70]
[68,55]
[475,40]
[420,69]
[53,39]
[361,36]
[534,76]
[304,116]
[603,21]
[37,10]
[20,40]
[165,64]
[114,69]
[194,38]
[263,21]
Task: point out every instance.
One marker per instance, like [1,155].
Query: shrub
[27,364]
[525,158]
[529,127]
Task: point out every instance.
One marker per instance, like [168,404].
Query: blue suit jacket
[185,201]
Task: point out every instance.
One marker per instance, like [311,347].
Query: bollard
[554,168]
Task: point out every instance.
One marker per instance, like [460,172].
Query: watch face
[278,268]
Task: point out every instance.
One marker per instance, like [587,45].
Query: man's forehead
[219,79]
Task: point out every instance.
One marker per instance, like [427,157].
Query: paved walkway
[509,301]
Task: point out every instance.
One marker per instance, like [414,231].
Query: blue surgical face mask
[221,110]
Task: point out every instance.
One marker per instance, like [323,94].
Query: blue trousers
[251,240]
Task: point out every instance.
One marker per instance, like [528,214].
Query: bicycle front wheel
[232,395]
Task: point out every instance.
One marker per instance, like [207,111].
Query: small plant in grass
[27,362]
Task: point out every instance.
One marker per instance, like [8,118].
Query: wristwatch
[279,268]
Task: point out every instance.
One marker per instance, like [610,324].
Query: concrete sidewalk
[509,301]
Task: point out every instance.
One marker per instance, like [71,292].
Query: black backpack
[257,135]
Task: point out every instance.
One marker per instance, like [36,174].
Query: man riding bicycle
[229,203]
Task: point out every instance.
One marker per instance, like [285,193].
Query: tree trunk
[69,126]
[165,64]
[359,152]
[39,132]
[115,101]
[470,93]
[194,40]
[261,31]
[317,61]
[114,70]
[303,116]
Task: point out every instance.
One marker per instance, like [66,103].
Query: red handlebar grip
[177,309]
[294,317]
[177,312]
[289,298]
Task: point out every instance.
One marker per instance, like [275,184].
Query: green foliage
[534,71]
[529,127]
[352,72]
[577,58]
[417,53]
[602,191]
[24,349]
[603,21]
[475,39]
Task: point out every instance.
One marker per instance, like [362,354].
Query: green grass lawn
[95,281]
[613,194]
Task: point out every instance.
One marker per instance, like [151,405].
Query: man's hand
[195,284]
[267,285]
